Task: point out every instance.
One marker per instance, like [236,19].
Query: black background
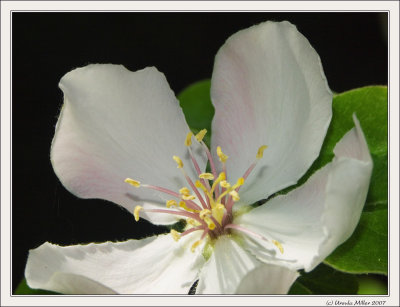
[45,46]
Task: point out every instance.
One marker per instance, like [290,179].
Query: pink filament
[189,203]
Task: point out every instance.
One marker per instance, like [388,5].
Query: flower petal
[268,88]
[267,279]
[232,270]
[116,124]
[225,269]
[157,265]
[311,221]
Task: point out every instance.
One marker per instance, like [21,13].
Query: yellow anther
[188,140]
[183,205]
[218,212]
[204,213]
[188,197]
[192,222]
[184,191]
[171,203]
[225,184]
[199,136]
[278,245]
[178,161]
[222,157]
[198,184]
[260,151]
[207,176]
[176,235]
[136,212]
[235,195]
[238,183]
[195,244]
[132,182]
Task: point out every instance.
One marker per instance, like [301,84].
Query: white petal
[311,221]
[225,269]
[156,265]
[116,124]
[267,279]
[268,88]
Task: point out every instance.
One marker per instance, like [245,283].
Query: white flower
[268,88]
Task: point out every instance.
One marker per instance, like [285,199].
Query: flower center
[208,206]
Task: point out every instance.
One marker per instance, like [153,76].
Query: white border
[7,6]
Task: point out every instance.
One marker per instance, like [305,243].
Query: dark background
[45,46]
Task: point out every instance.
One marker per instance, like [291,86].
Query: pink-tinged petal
[117,124]
[312,220]
[268,88]
[232,270]
[155,265]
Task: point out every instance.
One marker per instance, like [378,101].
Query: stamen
[239,183]
[183,205]
[222,157]
[207,176]
[191,230]
[236,187]
[220,177]
[193,188]
[192,222]
[171,203]
[176,235]
[178,161]
[195,244]
[132,182]
[188,140]
[199,136]
[188,197]
[214,216]
[225,184]
[235,195]
[136,212]
[178,212]
[210,198]
[259,155]
[194,161]
[260,152]
[206,215]
[184,191]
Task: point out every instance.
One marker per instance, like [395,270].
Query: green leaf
[372,285]
[366,250]
[325,280]
[23,289]
[299,289]
[197,107]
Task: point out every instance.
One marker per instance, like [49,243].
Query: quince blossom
[122,136]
